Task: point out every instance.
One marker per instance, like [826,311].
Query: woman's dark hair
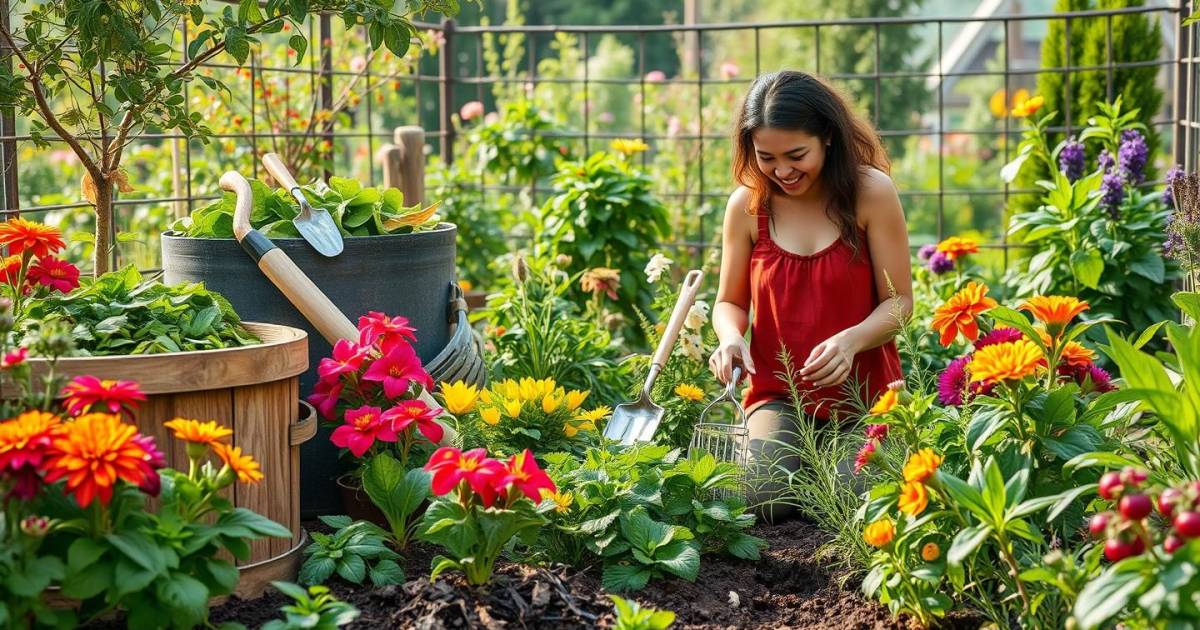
[801,102]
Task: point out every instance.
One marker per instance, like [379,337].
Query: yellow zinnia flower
[629,147]
[879,533]
[1010,361]
[597,414]
[687,391]
[562,500]
[246,468]
[460,397]
[490,415]
[1028,107]
[887,402]
[921,465]
[196,431]
[575,398]
[913,498]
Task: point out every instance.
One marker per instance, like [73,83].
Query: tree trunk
[102,257]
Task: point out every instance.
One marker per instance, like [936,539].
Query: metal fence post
[1181,129]
[326,30]
[446,91]
[8,129]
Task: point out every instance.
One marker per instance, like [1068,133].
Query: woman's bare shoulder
[878,197]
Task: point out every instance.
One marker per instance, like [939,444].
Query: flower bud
[1134,477]
[1172,543]
[520,269]
[1099,524]
[35,526]
[562,260]
[1111,486]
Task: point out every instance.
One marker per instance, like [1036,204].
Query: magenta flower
[952,382]
[376,327]
[864,457]
[403,415]
[325,397]
[154,459]
[363,426]
[998,335]
[396,370]
[347,358]
[877,431]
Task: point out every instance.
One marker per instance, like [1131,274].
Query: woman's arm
[887,240]
[731,313]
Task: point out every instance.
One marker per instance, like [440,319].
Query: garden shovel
[637,421]
[316,226]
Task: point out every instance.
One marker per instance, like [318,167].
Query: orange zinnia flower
[244,465]
[913,498]
[956,246]
[1075,354]
[24,439]
[921,465]
[959,312]
[887,402]
[1055,311]
[1028,107]
[20,235]
[1009,361]
[196,431]
[879,533]
[94,452]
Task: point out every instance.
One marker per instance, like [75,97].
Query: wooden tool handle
[235,183]
[279,172]
[687,296]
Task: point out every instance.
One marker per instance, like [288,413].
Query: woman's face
[791,159]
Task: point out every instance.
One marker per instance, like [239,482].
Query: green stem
[1014,570]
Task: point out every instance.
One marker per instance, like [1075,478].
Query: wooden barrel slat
[257,409]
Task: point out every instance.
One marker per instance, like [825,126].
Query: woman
[815,259]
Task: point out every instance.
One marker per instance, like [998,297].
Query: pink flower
[358,63]
[55,273]
[407,412]
[491,118]
[471,110]
[877,431]
[375,327]
[363,426]
[730,70]
[347,357]
[14,358]
[998,335]
[153,460]
[656,76]
[325,397]
[397,370]
[85,391]
[864,457]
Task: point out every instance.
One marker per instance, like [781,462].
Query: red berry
[1135,507]
[1172,543]
[1133,476]
[1110,485]
[1138,546]
[1187,524]
[1116,549]
[1098,524]
[1167,500]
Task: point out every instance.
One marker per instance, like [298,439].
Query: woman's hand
[728,354]
[830,362]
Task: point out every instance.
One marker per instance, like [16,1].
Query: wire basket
[726,441]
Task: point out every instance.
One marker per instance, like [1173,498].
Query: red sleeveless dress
[800,301]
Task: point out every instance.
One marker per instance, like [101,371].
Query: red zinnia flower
[877,431]
[409,411]
[84,391]
[94,452]
[363,426]
[20,235]
[523,472]
[325,397]
[25,439]
[449,466]
[864,457]
[55,273]
[397,370]
[347,357]
[152,461]
[376,327]
[14,358]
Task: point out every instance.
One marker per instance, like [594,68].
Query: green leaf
[299,44]
[745,546]
[88,582]
[317,569]
[1150,266]
[966,542]
[623,577]
[680,558]
[186,595]
[1106,596]
[386,572]
[82,553]
[599,524]
[224,573]
[340,521]
[128,577]
[1088,266]
[983,425]
[963,494]
[1189,303]
[352,569]
[396,492]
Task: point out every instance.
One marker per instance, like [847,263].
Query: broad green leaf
[624,577]
[352,568]
[962,493]
[1150,266]
[1104,597]
[397,493]
[680,558]
[1087,266]
[745,546]
[966,542]
[1189,303]
[82,553]
[983,425]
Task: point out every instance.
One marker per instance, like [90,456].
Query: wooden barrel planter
[254,390]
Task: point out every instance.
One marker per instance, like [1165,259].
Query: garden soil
[791,586]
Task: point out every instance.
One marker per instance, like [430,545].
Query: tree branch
[35,86]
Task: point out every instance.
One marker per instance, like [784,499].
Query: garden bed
[791,587]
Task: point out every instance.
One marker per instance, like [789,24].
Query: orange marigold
[24,439]
[921,465]
[94,452]
[1076,354]
[879,533]
[1056,311]
[196,431]
[1028,107]
[958,314]
[913,498]
[19,235]
[887,402]
[1008,361]
[246,468]
[956,246]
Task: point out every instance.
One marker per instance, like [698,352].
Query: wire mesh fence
[935,109]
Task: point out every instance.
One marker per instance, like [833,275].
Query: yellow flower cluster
[512,398]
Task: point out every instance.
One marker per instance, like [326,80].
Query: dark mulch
[792,586]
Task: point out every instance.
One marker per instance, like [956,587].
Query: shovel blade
[633,422]
[317,227]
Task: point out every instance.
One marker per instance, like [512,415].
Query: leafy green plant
[397,493]
[1099,237]
[356,551]
[120,313]
[521,146]
[654,548]
[317,608]
[356,210]
[632,616]
[115,65]
[481,237]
